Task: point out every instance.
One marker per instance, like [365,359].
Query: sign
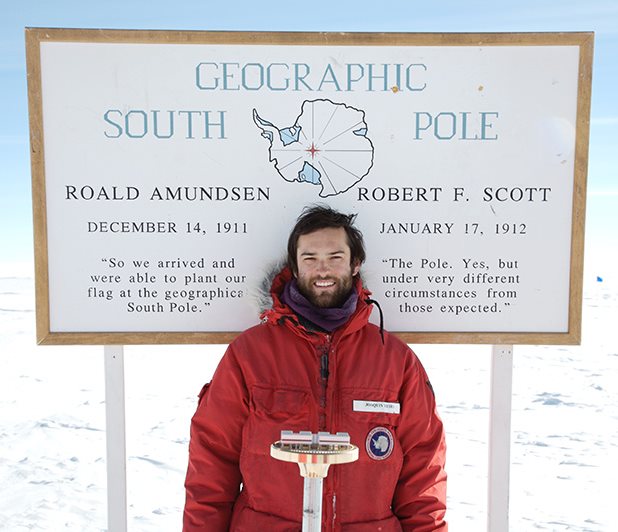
[169,168]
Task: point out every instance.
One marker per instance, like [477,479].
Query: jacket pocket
[248,520]
[271,411]
[279,403]
[372,429]
[379,463]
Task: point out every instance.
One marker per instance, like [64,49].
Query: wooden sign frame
[35,37]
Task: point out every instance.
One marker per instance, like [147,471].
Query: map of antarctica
[327,146]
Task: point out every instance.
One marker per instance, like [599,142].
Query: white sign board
[172,167]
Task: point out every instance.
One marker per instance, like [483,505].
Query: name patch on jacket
[376,406]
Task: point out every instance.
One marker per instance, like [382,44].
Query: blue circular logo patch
[379,443]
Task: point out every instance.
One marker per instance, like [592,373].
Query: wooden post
[500,438]
[115,439]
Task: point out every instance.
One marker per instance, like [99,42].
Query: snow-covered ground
[52,426]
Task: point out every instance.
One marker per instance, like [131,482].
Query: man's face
[325,274]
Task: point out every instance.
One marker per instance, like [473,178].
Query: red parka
[273,377]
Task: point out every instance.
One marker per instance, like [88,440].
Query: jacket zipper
[324,373]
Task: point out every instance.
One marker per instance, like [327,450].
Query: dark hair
[321,217]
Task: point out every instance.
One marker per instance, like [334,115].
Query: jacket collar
[280,312]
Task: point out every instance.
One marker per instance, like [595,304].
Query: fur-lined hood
[261,294]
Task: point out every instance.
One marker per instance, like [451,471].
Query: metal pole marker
[314,453]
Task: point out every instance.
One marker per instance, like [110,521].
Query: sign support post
[115,439]
[499,438]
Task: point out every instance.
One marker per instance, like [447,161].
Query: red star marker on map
[313,150]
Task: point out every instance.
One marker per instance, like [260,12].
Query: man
[315,363]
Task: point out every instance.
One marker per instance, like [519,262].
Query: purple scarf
[326,318]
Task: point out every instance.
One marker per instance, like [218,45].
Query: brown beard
[334,299]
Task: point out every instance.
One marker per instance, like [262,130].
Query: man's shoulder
[390,338]
[261,334]
[392,345]
[250,334]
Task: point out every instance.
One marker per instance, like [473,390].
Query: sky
[599,16]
